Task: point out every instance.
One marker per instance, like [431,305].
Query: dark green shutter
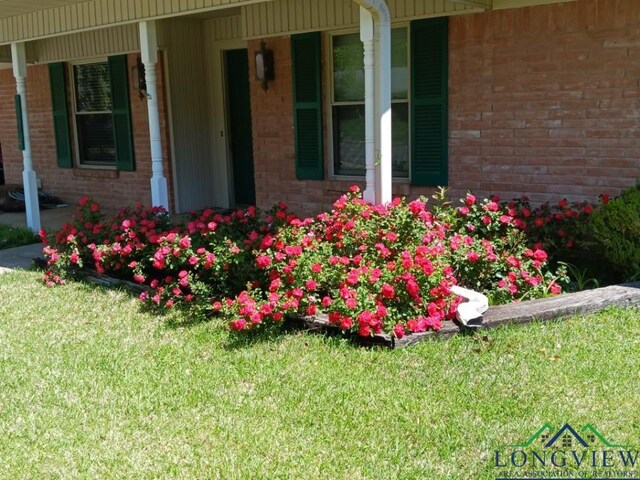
[307,105]
[121,111]
[429,114]
[18,102]
[58,83]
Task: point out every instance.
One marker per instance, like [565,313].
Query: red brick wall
[110,188]
[544,101]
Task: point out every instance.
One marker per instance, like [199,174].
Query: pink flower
[470,199]
[513,261]
[364,330]
[311,285]
[391,237]
[472,257]
[416,207]
[346,323]
[493,207]
[316,268]
[398,331]
[413,288]
[185,242]
[239,324]
[74,258]
[413,325]
[263,261]
[387,291]
[540,255]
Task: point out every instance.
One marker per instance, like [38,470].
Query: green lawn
[16,236]
[92,387]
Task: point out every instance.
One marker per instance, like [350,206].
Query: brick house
[158,101]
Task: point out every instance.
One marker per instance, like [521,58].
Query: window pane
[348,68]
[399,64]
[348,140]
[93,88]
[400,139]
[95,139]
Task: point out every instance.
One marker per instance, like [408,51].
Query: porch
[185,49]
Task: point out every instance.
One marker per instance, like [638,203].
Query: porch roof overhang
[23,21]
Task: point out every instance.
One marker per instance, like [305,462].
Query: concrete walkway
[19,257]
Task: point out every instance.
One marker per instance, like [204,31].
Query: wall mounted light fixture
[264,66]
[140,79]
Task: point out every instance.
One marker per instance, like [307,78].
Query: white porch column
[29,180]
[367,38]
[149,50]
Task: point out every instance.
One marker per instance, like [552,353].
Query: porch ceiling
[484,4]
[25,20]
[9,8]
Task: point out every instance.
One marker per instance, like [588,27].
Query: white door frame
[220,123]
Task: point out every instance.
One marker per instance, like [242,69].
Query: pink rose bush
[491,253]
[369,268]
[562,228]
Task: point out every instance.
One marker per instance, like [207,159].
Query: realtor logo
[566,453]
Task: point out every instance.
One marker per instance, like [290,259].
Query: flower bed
[371,269]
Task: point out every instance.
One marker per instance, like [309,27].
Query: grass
[93,387]
[16,237]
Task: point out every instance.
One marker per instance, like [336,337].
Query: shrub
[376,269]
[616,228]
[370,268]
[559,228]
[490,251]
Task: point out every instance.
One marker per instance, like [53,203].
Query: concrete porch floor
[51,219]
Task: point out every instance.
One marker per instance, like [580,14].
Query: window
[93,114]
[419,104]
[99,111]
[347,104]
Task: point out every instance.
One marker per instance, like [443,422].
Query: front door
[240,131]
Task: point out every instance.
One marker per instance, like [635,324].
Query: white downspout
[383,73]
[367,38]
[29,179]
[382,114]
